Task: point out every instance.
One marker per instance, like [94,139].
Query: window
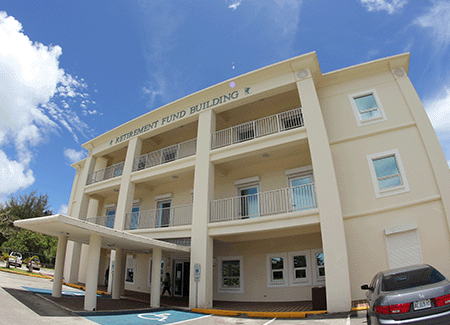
[169,154]
[367,107]
[403,245]
[300,268]
[319,265]
[164,212]
[277,274]
[387,173]
[230,274]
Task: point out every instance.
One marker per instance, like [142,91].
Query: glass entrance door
[249,207]
[164,213]
[302,193]
[181,279]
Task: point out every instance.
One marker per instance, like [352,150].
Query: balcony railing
[262,204]
[105,173]
[106,221]
[257,128]
[160,218]
[165,155]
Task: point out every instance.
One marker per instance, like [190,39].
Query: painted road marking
[160,317]
[48,291]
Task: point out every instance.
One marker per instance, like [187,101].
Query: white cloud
[233,4]
[74,155]
[391,6]
[63,209]
[30,83]
[438,109]
[437,19]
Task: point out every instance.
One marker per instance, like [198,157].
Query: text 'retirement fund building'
[261,188]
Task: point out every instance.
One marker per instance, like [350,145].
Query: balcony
[284,200]
[105,173]
[258,128]
[160,218]
[165,155]
[106,221]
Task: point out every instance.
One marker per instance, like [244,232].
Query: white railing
[262,204]
[257,128]
[165,155]
[159,218]
[105,173]
[106,221]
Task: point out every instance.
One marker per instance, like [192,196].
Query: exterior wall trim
[393,207]
[402,228]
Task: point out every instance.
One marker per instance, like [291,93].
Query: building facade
[280,180]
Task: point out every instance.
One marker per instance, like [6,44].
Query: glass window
[320,262]
[387,172]
[231,274]
[277,269]
[164,211]
[300,265]
[411,279]
[367,107]
[110,216]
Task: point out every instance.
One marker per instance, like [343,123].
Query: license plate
[422,304]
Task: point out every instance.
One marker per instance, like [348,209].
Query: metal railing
[105,173]
[106,221]
[257,128]
[159,218]
[165,155]
[262,204]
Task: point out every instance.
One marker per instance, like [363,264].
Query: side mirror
[366,287]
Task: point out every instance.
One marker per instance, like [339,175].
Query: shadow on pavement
[38,304]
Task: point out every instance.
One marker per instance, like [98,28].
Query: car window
[411,279]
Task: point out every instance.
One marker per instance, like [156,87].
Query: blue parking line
[159,317]
[49,292]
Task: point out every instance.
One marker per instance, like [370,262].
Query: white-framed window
[134,217]
[277,270]
[231,274]
[388,175]
[248,191]
[130,269]
[164,213]
[367,107]
[110,212]
[300,268]
[150,271]
[318,261]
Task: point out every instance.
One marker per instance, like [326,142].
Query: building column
[59,266]
[118,277]
[92,210]
[201,293]
[90,299]
[75,262]
[155,290]
[334,244]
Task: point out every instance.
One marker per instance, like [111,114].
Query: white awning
[80,231]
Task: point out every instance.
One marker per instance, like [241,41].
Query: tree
[25,207]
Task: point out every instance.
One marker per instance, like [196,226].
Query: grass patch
[14,270]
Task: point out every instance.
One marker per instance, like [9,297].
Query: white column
[75,263]
[126,192]
[156,278]
[202,243]
[331,221]
[90,299]
[118,274]
[92,210]
[59,266]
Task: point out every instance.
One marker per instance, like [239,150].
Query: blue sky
[72,70]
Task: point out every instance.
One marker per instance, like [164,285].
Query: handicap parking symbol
[151,316]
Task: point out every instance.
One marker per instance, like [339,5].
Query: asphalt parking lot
[22,304]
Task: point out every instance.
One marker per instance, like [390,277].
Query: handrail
[105,173]
[159,218]
[257,128]
[165,155]
[284,200]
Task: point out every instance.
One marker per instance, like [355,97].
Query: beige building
[261,188]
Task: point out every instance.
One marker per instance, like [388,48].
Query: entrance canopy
[80,231]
